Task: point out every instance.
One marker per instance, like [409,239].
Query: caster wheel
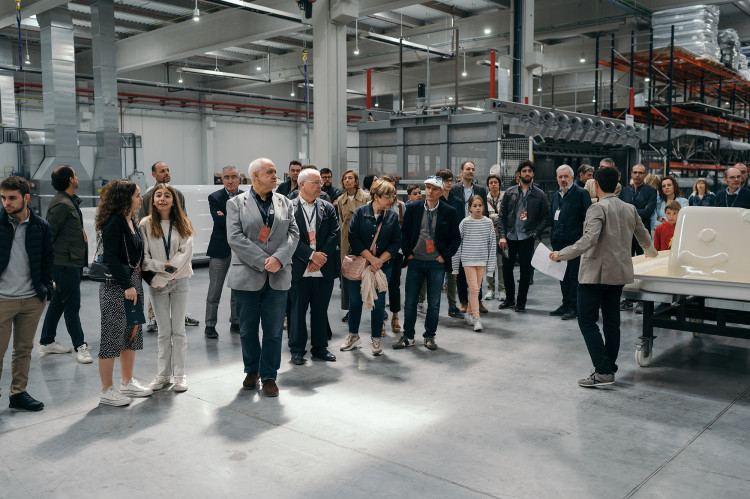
[696,335]
[641,359]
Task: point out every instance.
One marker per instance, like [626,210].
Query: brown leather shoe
[463,306]
[270,389]
[395,326]
[251,381]
[482,308]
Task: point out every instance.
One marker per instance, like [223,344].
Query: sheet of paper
[542,263]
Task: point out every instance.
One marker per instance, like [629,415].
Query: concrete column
[108,162]
[329,75]
[208,145]
[525,60]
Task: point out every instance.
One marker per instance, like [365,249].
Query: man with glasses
[429,239]
[734,196]
[219,252]
[642,196]
[326,176]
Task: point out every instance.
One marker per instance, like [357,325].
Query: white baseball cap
[436,181]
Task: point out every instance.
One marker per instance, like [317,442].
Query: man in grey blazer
[606,266]
[263,235]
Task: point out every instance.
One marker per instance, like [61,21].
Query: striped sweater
[477,247]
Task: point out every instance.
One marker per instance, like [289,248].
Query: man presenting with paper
[606,267]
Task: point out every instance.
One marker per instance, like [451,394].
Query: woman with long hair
[352,198]
[168,251]
[494,196]
[123,254]
[668,191]
[701,196]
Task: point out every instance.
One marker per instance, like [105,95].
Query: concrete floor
[495,414]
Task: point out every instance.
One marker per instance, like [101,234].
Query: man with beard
[291,185]
[524,213]
[326,176]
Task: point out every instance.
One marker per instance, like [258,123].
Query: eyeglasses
[639,173]
[231,177]
[390,198]
[314,182]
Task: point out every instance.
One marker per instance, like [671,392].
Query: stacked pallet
[696,29]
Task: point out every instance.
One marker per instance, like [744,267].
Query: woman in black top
[362,231]
[123,254]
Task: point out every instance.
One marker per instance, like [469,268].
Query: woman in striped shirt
[476,253]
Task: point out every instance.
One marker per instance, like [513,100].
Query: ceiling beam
[505,4]
[369,7]
[28,8]
[213,31]
[448,9]
[398,20]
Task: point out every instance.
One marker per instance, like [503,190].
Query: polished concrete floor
[495,414]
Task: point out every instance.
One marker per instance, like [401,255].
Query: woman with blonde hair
[352,198]
[653,180]
[123,253]
[168,251]
[701,196]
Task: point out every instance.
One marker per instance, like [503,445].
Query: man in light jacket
[263,235]
[606,266]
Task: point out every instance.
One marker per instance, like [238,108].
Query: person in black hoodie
[123,254]
[26,259]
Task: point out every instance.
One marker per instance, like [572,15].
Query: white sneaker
[83,356]
[421,308]
[350,342]
[159,382]
[489,296]
[377,348]
[469,319]
[113,397]
[134,389]
[477,324]
[180,383]
[54,347]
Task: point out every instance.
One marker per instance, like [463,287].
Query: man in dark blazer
[219,252]
[463,192]
[315,265]
[429,239]
[643,197]
[569,206]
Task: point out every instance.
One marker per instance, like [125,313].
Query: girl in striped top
[476,253]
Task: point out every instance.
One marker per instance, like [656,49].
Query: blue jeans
[592,297]
[261,308]
[416,273]
[355,308]
[66,299]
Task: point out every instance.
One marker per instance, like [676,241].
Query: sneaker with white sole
[429,342]
[421,308]
[351,341]
[596,379]
[490,295]
[469,319]
[477,324]
[403,342]
[158,383]
[82,354]
[134,389]
[152,327]
[377,347]
[54,347]
[110,396]
[180,383]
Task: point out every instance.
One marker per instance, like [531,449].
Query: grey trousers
[217,274]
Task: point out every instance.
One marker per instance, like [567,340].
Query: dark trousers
[265,308]
[524,250]
[591,298]
[217,274]
[417,273]
[315,293]
[394,284]
[569,284]
[377,314]
[636,249]
[66,299]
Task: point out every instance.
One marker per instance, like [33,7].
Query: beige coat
[346,209]
[606,243]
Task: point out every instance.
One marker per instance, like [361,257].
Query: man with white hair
[734,196]
[263,235]
[569,206]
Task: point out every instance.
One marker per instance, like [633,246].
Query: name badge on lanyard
[557,214]
[429,244]
[524,215]
[310,233]
[265,231]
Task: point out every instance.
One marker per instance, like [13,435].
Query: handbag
[100,271]
[353,265]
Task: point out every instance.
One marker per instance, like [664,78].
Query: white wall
[238,143]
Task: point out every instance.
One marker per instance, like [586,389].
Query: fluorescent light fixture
[407,45]
[258,68]
[450,97]
[196,12]
[647,79]
[180,80]
[216,72]
[487,31]
[356,37]
[356,51]
[582,60]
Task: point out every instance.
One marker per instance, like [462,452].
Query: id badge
[85,237]
[264,233]
[524,215]
[557,214]
[429,246]
[311,236]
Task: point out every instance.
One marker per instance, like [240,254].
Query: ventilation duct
[7,93]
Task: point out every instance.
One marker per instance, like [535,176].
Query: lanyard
[430,215]
[310,218]
[493,202]
[265,212]
[736,195]
[167,245]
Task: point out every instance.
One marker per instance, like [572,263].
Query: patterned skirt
[115,331]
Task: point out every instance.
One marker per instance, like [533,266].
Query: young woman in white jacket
[168,250]
[476,254]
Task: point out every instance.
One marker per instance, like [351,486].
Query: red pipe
[632,99]
[369,88]
[492,74]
